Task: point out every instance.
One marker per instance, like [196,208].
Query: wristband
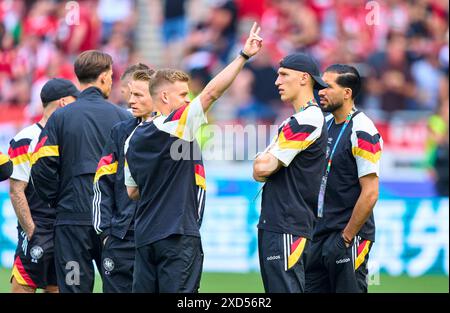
[241,53]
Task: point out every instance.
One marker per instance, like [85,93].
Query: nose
[277,82]
[322,92]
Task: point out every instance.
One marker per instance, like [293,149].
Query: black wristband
[241,53]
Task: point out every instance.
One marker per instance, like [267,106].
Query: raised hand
[254,42]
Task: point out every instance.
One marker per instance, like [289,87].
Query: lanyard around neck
[347,121]
[323,184]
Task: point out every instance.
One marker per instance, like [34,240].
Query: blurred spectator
[427,75]
[41,20]
[10,15]
[80,33]
[443,58]
[216,34]
[289,25]
[175,23]
[200,77]
[57,66]
[118,48]
[353,27]
[111,12]
[7,53]
[402,53]
[394,17]
[391,82]
[174,29]
[240,98]
[441,168]
[437,149]
[223,26]
[211,40]
[261,106]
[250,10]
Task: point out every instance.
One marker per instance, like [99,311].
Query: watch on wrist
[244,55]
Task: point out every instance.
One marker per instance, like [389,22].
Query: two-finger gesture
[254,42]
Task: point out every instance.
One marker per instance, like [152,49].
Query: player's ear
[304,77]
[102,78]
[165,97]
[347,93]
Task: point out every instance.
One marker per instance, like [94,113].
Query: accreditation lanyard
[323,184]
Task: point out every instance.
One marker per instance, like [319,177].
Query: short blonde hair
[163,76]
[142,75]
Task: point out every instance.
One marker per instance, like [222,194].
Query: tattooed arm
[20,204]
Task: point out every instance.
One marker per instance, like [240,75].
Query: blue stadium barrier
[412,233]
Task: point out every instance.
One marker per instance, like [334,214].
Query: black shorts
[170,265]
[76,247]
[331,267]
[281,262]
[117,264]
[34,263]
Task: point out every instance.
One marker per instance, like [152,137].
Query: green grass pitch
[251,282]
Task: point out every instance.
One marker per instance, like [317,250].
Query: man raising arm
[165,165]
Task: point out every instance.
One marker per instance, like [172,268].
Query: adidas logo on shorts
[343,261]
[273,257]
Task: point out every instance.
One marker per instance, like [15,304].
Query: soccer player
[34,264]
[169,256]
[336,260]
[113,211]
[291,168]
[65,161]
[125,80]
[6,167]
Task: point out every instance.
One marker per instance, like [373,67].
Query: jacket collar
[92,91]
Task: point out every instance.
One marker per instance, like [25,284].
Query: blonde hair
[164,76]
[142,75]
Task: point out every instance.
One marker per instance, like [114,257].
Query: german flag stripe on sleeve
[175,116]
[18,151]
[106,160]
[293,135]
[182,122]
[200,176]
[106,166]
[19,147]
[179,115]
[368,147]
[42,151]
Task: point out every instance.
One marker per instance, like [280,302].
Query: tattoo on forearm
[20,204]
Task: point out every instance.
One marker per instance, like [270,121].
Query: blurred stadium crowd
[399,46]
